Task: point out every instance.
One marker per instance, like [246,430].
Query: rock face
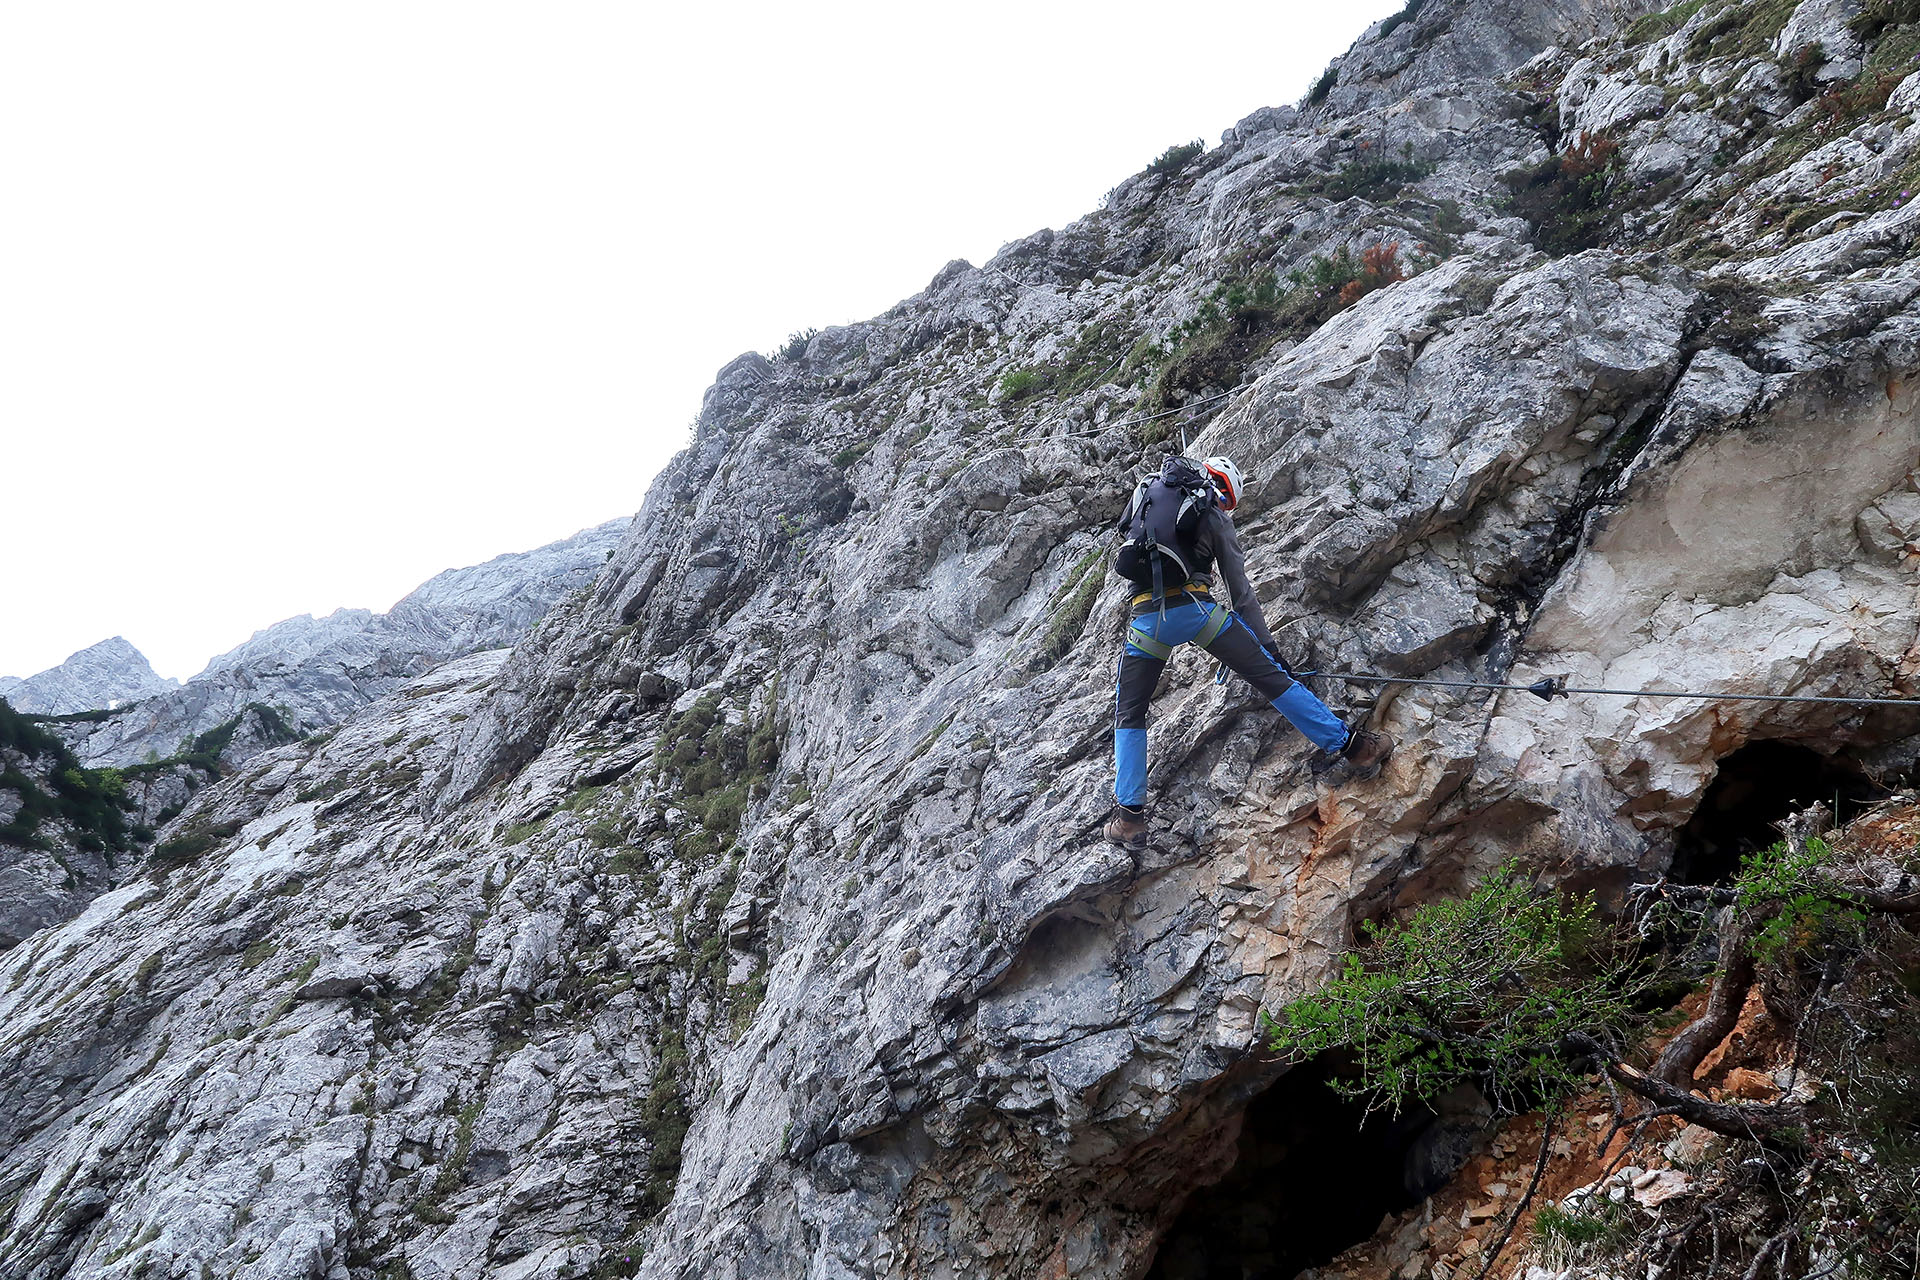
[107,674]
[65,833]
[314,672]
[751,918]
[295,677]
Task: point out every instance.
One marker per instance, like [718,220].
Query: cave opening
[1756,788]
[1313,1176]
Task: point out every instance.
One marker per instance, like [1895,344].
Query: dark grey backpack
[1159,524]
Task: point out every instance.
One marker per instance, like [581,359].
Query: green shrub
[743,1001]
[582,799]
[795,347]
[852,454]
[1323,86]
[1213,347]
[18,733]
[721,810]
[1021,383]
[1070,613]
[1376,178]
[1176,158]
[1654,26]
[1567,198]
[1876,16]
[518,832]
[79,717]
[1793,894]
[1246,316]
[204,751]
[663,1117]
[1408,12]
[719,768]
[325,790]
[1481,990]
[1741,28]
[92,802]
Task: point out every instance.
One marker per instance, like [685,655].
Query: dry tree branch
[1684,1052]
[1547,1124]
[1761,1122]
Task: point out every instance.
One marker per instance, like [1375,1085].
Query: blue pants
[1226,638]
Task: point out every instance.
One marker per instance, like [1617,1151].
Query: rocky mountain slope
[293,678]
[103,675]
[751,919]
[314,672]
[65,830]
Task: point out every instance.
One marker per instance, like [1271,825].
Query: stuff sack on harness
[1159,524]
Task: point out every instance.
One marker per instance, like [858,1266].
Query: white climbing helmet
[1226,480]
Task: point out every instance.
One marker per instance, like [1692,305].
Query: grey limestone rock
[750,920]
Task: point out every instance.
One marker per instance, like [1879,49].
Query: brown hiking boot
[1366,751]
[1127,826]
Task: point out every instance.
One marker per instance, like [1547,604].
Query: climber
[1177,528]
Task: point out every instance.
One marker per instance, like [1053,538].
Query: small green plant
[1654,26]
[181,851]
[1323,86]
[1741,28]
[1792,894]
[1176,158]
[743,1001]
[795,347]
[1070,612]
[852,454]
[625,863]
[1021,383]
[663,1117]
[720,767]
[1245,316]
[520,832]
[1408,12]
[1876,16]
[453,1170]
[1564,1235]
[1376,178]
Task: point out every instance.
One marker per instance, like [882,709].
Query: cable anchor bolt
[1548,688]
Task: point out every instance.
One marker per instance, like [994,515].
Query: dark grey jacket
[1215,542]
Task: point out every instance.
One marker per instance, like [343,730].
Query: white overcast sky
[303,303]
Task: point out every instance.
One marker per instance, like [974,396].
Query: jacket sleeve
[1233,569]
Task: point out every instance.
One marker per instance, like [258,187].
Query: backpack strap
[1159,580]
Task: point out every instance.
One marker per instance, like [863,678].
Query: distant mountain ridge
[107,674]
[313,672]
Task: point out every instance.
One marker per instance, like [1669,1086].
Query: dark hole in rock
[1314,1176]
[1757,787]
